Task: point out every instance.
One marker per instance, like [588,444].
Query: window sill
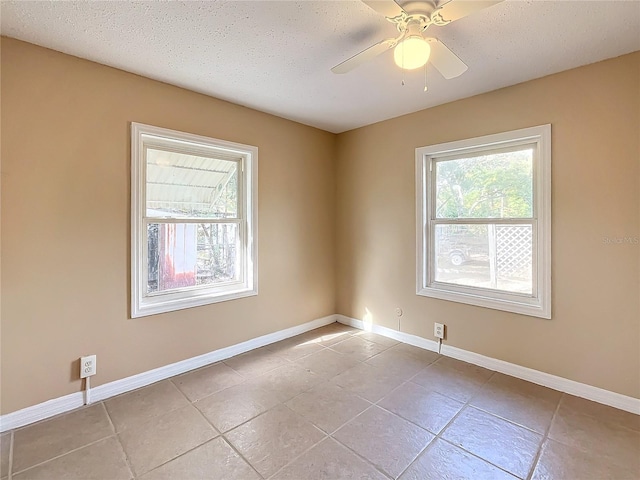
[526,306]
[169,303]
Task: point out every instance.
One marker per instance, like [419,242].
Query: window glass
[496,185]
[183,255]
[193,220]
[181,185]
[498,257]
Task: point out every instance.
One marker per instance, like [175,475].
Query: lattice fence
[514,246]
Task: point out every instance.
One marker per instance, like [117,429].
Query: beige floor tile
[328,406]
[273,439]
[386,440]
[98,461]
[464,367]
[375,338]
[256,362]
[458,382]
[214,460]
[5,450]
[603,413]
[441,460]
[206,381]
[48,439]
[417,352]
[287,381]
[401,363]
[357,348]
[508,446]
[235,405]
[620,444]
[522,402]
[561,462]
[295,348]
[371,383]
[330,334]
[329,461]
[327,363]
[133,408]
[430,410]
[165,437]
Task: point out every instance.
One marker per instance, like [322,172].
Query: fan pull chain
[403,67]
[425,77]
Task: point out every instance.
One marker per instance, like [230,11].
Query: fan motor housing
[419,8]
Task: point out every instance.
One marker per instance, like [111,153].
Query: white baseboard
[600,395]
[60,405]
[606,397]
[69,402]
[43,410]
[389,332]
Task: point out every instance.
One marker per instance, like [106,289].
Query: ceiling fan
[412,49]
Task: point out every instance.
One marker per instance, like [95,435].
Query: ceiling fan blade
[364,56]
[457,9]
[445,61]
[388,8]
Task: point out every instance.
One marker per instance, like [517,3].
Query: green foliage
[492,186]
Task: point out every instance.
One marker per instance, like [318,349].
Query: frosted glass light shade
[413,52]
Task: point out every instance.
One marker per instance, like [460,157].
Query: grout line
[106,412]
[484,460]
[439,436]
[297,457]
[252,418]
[364,459]
[125,456]
[467,405]
[154,417]
[242,457]
[11,441]
[424,449]
[66,453]
[544,439]
[215,429]
[353,451]
[181,455]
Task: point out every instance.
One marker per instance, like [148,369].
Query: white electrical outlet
[438,330]
[87,366]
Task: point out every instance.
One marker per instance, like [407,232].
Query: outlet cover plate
[87,366]
[438,330]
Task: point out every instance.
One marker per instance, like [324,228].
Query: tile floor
[334,403]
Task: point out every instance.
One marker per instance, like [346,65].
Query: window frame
[539,303]
[144,137]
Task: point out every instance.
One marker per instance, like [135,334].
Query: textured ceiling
[276,56]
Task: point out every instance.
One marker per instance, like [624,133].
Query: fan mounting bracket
[417,15]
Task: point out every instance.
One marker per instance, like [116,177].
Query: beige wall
[65,224]
[594,335]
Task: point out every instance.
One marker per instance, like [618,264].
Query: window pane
[189,255]
[498,257]
[497,185]
[181,185]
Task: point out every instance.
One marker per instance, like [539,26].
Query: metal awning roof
[179,184]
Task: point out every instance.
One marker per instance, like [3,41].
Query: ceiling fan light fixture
[411,53]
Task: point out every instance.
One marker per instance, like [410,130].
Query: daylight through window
[193,215]
[484,221]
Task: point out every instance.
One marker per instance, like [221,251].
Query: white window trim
[539,304]
[143,305]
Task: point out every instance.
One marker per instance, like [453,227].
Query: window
[193,220]
[484,221]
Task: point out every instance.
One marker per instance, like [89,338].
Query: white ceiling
[276,56]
